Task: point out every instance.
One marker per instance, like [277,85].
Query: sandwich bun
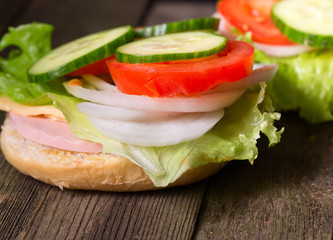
[88,171]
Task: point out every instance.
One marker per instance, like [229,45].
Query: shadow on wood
[287,194]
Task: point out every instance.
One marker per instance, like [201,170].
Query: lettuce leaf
[82,128]
[303,83]
[234,137]
[31,42]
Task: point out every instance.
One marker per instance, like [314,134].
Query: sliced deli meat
[52,133]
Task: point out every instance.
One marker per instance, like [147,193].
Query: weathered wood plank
[20,197]
[77,18]
[164,214]
[287,194]
[169,11]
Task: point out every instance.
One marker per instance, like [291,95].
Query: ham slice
[51,132]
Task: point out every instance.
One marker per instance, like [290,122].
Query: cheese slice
[8,105]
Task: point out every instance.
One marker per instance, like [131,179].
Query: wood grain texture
[286,194]
[164,214]
[76,18]
[20,198]
[163,11]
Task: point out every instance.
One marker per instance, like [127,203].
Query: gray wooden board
[75,18]
[163,214]
[170,11]
[286,194]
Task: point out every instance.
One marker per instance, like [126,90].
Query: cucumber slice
[79,53]
[308,22]
[181,26]
[171,47]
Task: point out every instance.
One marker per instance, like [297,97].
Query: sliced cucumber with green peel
[181,26]
[171,47]
[308,22]
[79,53]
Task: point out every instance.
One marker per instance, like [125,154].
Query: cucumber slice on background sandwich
[305,22]
[206,23]
[296,35]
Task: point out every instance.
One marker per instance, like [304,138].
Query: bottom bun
[89,171]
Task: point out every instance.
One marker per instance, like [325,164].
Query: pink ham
[52,133]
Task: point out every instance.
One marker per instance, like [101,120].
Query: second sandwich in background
[298,36]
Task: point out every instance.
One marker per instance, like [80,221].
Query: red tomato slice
[187,77]
[94,68]
[254,16]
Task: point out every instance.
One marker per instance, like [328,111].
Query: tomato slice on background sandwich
[303,82]
[182,91]
[252,16]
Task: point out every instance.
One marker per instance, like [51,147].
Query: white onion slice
[222,96]
[115,113]
[282,50]
[270,50]
[204,103]
[261,73]
[145,121]
[98,83]
[222,29]
[176,129]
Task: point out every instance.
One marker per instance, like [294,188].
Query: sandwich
[296,35]
[132,109]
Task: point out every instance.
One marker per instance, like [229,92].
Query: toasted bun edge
[88,171]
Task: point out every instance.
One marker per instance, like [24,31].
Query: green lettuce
[303,83]
[31,42]
[234,137]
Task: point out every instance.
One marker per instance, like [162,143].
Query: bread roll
[73,170]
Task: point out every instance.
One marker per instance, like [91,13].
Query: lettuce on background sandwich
[185,102]
[298,36]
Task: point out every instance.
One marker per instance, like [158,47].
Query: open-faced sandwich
[298,36]
[130,110]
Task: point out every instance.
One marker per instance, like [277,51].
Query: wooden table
[286,194]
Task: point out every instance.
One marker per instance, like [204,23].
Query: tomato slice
[187,77]
[94,68]
[254,16]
